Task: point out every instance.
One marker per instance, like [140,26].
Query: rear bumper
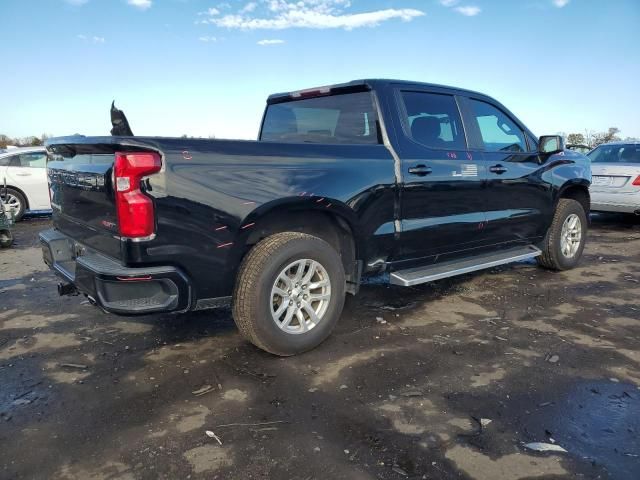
[117,289]
[611,202]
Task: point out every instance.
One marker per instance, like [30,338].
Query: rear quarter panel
[212,193]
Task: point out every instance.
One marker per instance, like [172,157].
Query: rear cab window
[347,118]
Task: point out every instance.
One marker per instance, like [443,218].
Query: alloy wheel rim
[300,296]
[571,236]
[12,202]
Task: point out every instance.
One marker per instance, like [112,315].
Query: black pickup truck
[409,181]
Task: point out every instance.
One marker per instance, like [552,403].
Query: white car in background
[615,182]
[24,172]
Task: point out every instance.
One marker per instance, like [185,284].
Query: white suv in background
[25,174]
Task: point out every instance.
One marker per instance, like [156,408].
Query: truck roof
[364,83]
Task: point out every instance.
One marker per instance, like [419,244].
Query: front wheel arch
[576,191]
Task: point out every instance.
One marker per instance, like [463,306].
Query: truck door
[441,203]
[519,200]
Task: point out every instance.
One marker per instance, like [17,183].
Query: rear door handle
[420,170]
[499,169]
[23,174]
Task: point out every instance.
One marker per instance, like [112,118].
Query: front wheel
[289,293]
[565,239]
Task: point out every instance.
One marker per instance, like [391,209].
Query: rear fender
[299,213]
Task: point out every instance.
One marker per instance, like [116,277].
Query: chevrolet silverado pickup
[410,182]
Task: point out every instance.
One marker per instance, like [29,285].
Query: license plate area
[601,181]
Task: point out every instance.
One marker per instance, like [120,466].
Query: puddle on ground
[597,421]
[602,422]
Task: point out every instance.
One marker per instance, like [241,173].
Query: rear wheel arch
[330,226]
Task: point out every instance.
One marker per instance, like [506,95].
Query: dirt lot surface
[447,380]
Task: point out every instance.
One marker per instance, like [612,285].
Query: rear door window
[499,133]
[349,118]
[33,159]
[10,161]
[433,120]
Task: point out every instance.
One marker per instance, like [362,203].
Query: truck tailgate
[80,174]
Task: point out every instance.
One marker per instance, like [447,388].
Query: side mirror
[551,144]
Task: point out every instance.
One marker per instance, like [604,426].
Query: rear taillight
[136,218]
[636,182]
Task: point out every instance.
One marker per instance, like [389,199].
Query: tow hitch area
[67,289]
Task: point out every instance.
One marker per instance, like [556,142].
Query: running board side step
[415,276]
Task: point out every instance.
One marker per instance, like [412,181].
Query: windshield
[629,153]
[346,118]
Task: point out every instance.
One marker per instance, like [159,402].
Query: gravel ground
[446,380]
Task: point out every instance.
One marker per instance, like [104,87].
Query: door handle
[23,174]
[499,169]
[420,170]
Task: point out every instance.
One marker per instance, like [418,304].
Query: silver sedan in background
[615,184]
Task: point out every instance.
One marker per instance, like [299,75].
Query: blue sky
[205,67]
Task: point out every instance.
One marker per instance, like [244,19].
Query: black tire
[253,301]
[6,238]
[552,256]
[18,212]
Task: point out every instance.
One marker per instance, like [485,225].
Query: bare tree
[576,139]
[5,140]
[610,135]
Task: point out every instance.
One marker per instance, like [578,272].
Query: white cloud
[211,12]
[207,38]
[249,7]
[76,3]
[141,4]
[94,38]
[318,14]
[560,3]
[274,41]
[448,3]
[468,11]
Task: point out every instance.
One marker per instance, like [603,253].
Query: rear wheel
[565,239]
[289,293]
[14,200]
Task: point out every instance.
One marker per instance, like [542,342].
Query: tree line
[33,141]
[593,139]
